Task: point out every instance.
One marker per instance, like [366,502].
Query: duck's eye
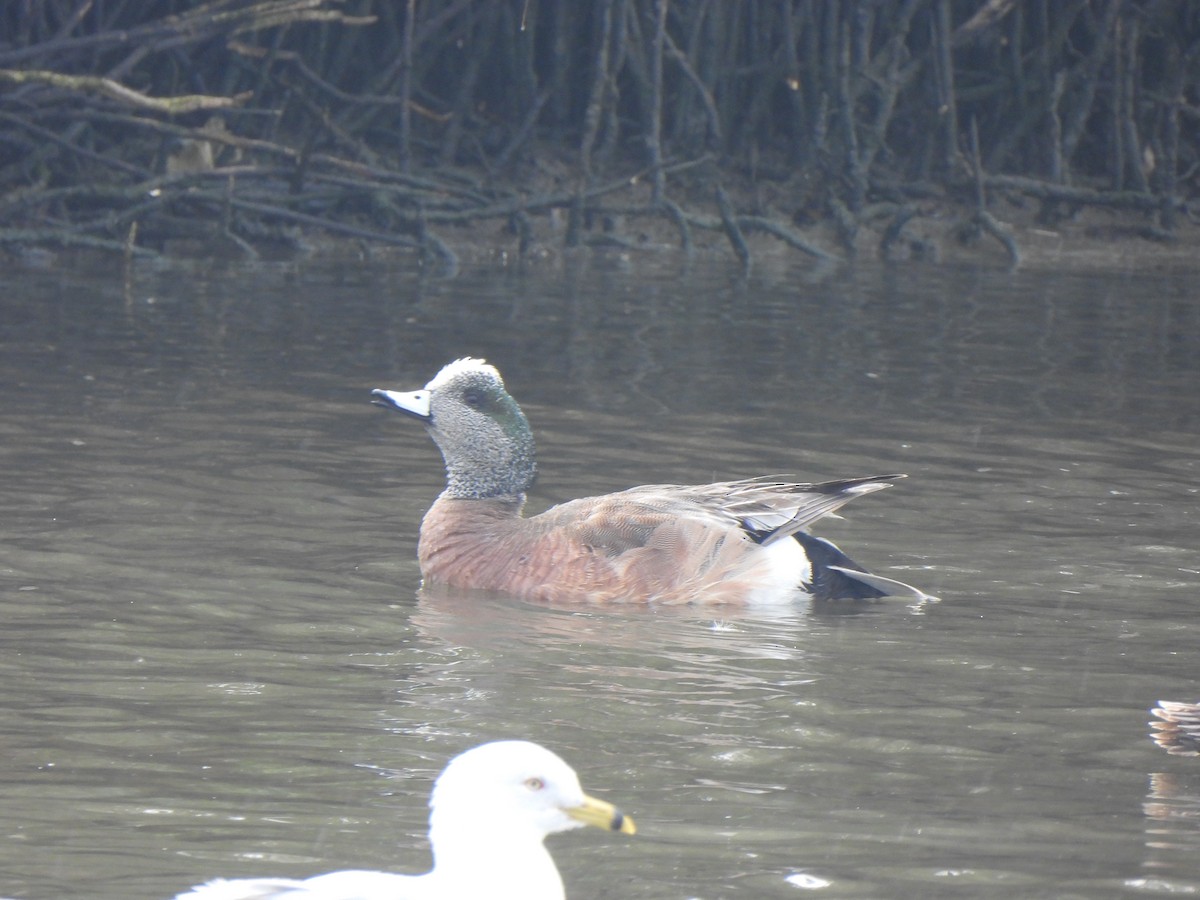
[473,399]
[534,784]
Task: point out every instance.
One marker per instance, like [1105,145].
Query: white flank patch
[787,569]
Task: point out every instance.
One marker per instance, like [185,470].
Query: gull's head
[517,786]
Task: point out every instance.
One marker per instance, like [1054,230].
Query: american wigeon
[1178,728]
[733,541]
[490,811]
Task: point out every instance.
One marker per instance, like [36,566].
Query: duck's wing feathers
[766,509]
[770,509]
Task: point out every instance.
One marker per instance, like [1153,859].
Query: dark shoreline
[930,131]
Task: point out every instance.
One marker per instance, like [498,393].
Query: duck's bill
[411,403]
[600,814]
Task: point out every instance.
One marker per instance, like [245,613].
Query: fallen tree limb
[106,87]
[1086,196]
[65,238]
[194,26]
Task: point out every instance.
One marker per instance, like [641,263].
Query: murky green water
[215,659]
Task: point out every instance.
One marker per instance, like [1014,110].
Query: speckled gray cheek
[487,454]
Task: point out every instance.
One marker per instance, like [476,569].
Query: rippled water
[216,658]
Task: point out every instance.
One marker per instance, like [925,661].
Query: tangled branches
[247,123]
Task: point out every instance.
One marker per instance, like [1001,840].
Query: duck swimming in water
[733,541]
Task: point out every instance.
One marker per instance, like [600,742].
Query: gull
[491,809]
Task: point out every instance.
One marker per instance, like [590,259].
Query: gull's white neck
[494,861]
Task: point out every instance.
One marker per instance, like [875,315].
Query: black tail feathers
[830,567]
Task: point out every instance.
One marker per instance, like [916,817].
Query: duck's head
[483,435]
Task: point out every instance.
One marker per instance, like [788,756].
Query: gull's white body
[483,878]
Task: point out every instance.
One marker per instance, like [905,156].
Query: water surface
[217,660]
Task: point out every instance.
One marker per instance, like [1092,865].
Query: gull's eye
[534,784]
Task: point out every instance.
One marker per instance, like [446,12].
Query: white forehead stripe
[461,367]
